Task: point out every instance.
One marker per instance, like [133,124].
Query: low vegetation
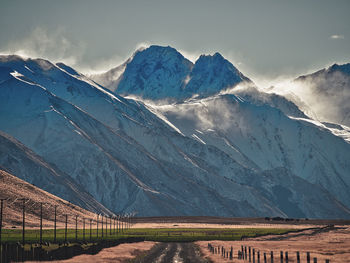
[148,234]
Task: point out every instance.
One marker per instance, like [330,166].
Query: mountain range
[160,135]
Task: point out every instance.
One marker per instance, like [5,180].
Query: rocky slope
[248,154]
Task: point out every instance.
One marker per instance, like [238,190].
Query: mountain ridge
[160,73]
[224,154]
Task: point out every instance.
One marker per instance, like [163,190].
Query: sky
[265,39]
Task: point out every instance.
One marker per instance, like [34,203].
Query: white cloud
[51,45]
[337,36]
[191,56]
[143,45]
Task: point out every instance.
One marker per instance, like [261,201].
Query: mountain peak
[159,52]
[345,68]
[161,72]
[155,72]
[212,74]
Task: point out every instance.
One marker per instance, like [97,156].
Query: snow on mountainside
[25,164]
[225,155]
[114,168]
[163,73]
[267,138]
[212,74]
[324,94]
[155,73]
[111,78]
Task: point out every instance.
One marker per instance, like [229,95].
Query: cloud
[191,56]
[143,45]
[337,36]
[103,65]
[52,45]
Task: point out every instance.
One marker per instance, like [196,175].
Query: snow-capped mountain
[25,164]
[248,154]
[328,93]
[112,166]
[323,95]
[212,74]
[265,138]
[160,73]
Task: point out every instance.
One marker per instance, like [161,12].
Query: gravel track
[175,253]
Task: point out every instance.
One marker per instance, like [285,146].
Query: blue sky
[265,39]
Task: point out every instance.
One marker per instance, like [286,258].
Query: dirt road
[173,252]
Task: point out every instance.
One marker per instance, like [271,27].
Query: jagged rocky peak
[212,74]
[163,73]
[345,68]
[21,64]
[156,72]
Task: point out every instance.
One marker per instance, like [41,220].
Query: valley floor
[327,242]
[331,243]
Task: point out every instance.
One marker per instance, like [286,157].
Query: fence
[57,228]
[255,256]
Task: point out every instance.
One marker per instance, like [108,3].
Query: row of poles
[249,255]
[117,223]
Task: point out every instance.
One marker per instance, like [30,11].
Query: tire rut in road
[190,253]
[156,253]
[173,253]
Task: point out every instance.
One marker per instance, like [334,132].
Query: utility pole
[65,230]
[23,219]
[55,225]
[106,217]
[97,227]
[110,225]
[90,228]
[76,228]
[41,223]
[1,213]
[102,225]
[84,228]
[118,223]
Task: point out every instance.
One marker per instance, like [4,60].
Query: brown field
[333,244]
[14,189]
[119,254]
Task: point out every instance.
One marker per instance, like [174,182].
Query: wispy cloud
[52,45]
[337,36]
[192,56]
